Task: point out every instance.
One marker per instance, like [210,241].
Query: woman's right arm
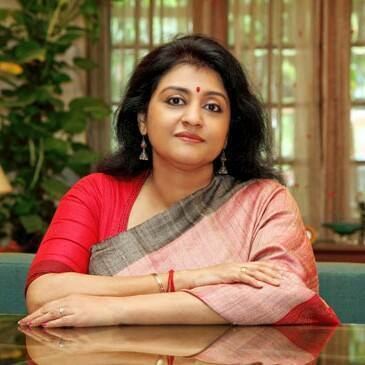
[52,286]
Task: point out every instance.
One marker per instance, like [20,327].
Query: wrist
[187,279]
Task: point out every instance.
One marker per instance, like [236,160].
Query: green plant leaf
[60,78]
[67,39]
[55,188]
[56,145]
[32,223]
[84,63]
[94,107]
[20,102]
[3,14]
[83,157]
[28,51]
[23,205]
[74,122]
[33,110]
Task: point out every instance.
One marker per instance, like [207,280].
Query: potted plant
[40,148]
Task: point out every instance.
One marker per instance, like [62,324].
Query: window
[357,87]
[136,27]
[286,47]
[260,36]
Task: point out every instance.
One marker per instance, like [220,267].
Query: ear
[141,118]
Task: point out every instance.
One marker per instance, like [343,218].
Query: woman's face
[188,118]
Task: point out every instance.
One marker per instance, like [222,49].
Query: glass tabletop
[175,345]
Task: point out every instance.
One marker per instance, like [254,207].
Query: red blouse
[95,208]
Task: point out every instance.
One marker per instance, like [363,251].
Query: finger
[266,264]
[263,277]
[66,321]
[269,268]
[250,280]
[26,320]
[33,316]
[270,272]
[44,318]
[36,334]
[61,333]
[48,315]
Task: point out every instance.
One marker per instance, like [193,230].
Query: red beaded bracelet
[170,282]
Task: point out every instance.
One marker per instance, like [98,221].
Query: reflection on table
[169,345]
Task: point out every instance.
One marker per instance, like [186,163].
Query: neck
[173,184]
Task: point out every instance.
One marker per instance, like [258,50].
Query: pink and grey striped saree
[227,221]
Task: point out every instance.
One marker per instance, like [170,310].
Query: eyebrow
[187,91]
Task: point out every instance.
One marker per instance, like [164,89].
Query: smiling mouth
[189,137]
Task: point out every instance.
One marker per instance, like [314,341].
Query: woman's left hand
[74,311]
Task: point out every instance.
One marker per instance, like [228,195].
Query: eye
[212,107]
[175,100]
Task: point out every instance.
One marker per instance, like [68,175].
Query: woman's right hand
[255,274]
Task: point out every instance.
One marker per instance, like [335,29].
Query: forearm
[171,308]
[149,309]
[49,287]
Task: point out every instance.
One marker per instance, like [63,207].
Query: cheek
[220,129]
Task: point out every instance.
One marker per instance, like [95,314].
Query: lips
[189,137]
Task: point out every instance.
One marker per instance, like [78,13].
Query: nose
[193,115]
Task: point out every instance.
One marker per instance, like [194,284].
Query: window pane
[357,73]
[283,75]
[289,75]
[358,20]
[255,63]
[288,18]
[170,18]
[283,124]
[123,62]
[361,178]
[358,133]
[248,18]
[358,187]
[122,22]
[116,75]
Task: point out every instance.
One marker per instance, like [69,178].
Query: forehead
[191,77]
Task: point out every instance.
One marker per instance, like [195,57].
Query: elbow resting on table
[41,290]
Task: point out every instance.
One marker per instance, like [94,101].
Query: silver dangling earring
[143,156]
[223,169]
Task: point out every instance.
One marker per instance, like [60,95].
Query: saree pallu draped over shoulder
[228,221]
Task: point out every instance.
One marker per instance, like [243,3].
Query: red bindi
[197,89]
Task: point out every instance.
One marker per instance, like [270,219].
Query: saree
[227,221]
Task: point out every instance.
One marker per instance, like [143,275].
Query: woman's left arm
[149,309]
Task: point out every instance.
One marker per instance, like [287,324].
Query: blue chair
[342,286]
[13,271]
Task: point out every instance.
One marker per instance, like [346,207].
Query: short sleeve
[73,230]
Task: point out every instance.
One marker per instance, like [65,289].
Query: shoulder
[100,183]
[264,188]
[98,179]
[264,192]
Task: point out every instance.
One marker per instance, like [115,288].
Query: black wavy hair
[248,149]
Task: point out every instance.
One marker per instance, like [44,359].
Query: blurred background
[64,66]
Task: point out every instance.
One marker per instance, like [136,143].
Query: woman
[187,223]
